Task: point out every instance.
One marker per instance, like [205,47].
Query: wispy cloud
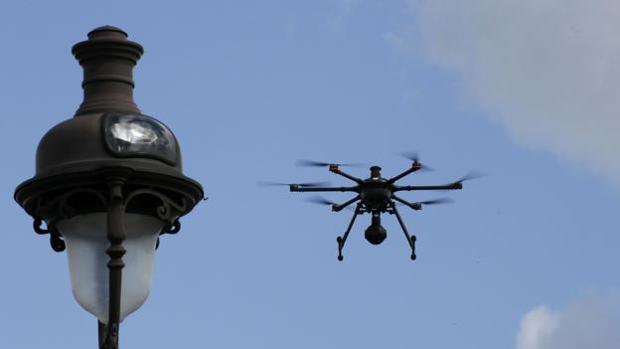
[548,70]
[590,323]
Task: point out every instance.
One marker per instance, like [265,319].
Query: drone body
[375,195]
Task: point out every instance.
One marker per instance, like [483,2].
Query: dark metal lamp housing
[108,181]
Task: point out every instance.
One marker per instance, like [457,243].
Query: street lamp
[108,182]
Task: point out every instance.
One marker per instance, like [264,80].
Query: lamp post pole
[108,183]
[116,251]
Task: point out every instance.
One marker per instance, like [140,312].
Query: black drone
[375,195]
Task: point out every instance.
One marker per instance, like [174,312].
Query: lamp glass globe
[86,240]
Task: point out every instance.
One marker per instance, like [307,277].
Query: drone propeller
[419,205]
[458,184]
[437,201]
[312,163]
[302,185]
[317,199]
[413,156]
[469,176]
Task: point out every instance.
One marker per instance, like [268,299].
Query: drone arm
[410,239]
[415,167]
[343,239]
[298,188]
[335,169]
[452,186]
[338,208]
[413,205]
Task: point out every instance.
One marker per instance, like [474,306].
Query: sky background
[523,91]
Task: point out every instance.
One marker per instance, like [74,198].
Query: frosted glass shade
[86,240]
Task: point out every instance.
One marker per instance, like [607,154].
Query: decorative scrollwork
[169,228]
[36,225]
[173,228]
[168,211]
[56,241]
[51,209]
[60,208]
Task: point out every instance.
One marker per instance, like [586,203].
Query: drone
[375,195]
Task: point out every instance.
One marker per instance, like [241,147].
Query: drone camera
[375,233]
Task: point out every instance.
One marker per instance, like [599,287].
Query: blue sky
[526,258]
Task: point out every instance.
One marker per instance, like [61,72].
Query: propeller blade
[437,201]
[270,184]
[305,185]
[317,199]
[312,163]
[413,156]
[469,176]
[313,184]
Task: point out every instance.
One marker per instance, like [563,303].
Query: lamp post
[108,183]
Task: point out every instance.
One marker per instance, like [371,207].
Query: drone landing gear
[343,239]
[340,246]
[410,239]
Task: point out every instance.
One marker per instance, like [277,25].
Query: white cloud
[588,324]
[548,70]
